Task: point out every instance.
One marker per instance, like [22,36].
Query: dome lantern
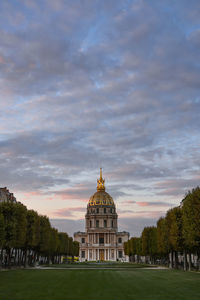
[100,182]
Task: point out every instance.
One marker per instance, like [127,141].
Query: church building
[101,239]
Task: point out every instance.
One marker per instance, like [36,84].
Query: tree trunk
[189,262]
[171,259]
[1,258]
[175,259]
[185,260]
[198,261]
[25,258]
[8,257]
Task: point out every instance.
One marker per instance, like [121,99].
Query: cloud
[152,203]
[90,85]
[68,212]
[128,213]
[134,225]
[178,186]
[67,225]
[129,202]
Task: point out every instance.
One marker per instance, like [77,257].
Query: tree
[75,248]
[26,237]
[32,235]
[2,231]
[175,237]
[8,211]
[149,242]
[45,230]
[162,237]
[20,231]
[191,222]
[2,236]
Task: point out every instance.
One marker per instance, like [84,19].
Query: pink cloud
[33,194]
[129,202]
[68,212]
[143,203]
[2,61]
[153,203]
[78,192]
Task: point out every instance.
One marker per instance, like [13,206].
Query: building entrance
[101,254]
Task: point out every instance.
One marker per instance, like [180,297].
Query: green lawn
[99,284]
[99,265]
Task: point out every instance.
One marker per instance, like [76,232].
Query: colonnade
[101,254]
[108,238]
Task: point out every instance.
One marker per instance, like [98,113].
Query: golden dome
[101,197]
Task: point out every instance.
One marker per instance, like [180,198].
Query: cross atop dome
[100,182]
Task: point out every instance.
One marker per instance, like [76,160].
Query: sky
[86,84]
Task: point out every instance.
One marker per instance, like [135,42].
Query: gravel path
[97,268]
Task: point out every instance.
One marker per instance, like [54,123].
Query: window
[105,223]
[83,254]
[83,240]
[112,254]
[101,238]
[90,223]
[111,210]
[120,254]
[97,223]
[104,210]
[119,240]
[112,223]
[97,210]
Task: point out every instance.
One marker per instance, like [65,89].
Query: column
[115,255]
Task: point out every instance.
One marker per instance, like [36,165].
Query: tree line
[27,238]
[175,238]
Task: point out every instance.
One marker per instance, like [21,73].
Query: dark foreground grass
[99,284]
[99,265]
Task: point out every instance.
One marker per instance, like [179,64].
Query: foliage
[191,219]
[177,232]
[26,237]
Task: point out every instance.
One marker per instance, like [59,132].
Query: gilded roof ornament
[100,182]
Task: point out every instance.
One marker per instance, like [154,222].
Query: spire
[100,182]
[100,173]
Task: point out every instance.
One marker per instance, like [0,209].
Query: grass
[99,284]
[106,265]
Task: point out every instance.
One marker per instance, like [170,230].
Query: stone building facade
[6,196]
[101,239]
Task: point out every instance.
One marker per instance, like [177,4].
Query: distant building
[6,196]
[101,239]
